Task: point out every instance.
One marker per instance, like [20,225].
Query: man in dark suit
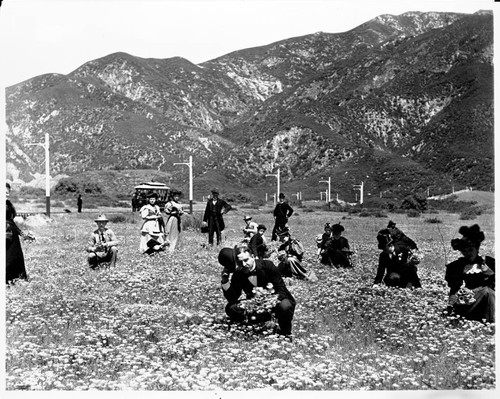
[281,213]
[250,273]
[214,210]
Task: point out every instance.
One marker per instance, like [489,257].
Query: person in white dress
[174,211]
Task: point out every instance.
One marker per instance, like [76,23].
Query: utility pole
[329,181]
[277,175]
[190,166]
[360,188]
[47,175]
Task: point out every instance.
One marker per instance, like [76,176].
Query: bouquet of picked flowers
[465,296]
[414,258]
[263,300]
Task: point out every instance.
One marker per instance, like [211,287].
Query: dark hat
[384,239]
[261,227]
[391,224]
[227,258]
[472,237]
[7,185]
[281,195]
[337,228]
[215,191]
[153,195]
[175,192]
[327,226]
[247,217]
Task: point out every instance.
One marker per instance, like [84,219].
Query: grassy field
[158,323]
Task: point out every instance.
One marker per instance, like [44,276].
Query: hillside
[395,102]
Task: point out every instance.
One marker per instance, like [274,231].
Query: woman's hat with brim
[173,193]
[472,238]
[101,218]
[261,227]
[153,195]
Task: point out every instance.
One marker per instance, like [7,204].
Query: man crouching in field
[102,244]
[253,275]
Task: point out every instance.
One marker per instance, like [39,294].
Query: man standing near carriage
[213,217]
[281,213]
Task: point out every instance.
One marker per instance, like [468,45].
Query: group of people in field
[251,263]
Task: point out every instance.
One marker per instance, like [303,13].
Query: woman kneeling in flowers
[401,268]
[250,276]
[476,300]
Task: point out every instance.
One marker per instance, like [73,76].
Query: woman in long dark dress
[471,278]
[14,263]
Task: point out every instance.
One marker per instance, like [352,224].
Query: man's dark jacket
[266,273]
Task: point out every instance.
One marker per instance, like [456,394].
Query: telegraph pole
[360,188]
[277,175]
[47,170]
[190,166]
[329,181]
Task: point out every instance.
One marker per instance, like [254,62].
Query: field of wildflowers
[158,323]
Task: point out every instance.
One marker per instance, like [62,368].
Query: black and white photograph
[244,197]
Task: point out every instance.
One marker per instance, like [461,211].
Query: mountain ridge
[390,91]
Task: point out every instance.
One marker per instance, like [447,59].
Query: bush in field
[77,185]
[121,218]
[191,222]
[415,201]
[413,213]
[433,220]
[470,213]
[380,203]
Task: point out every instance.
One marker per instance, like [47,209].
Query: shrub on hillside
[433,220]
[470,213]
[77,185]
[451,204]
[415,201]
[27,191]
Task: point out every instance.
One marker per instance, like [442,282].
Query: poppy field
[158,323]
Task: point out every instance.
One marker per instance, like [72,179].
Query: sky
[58,36]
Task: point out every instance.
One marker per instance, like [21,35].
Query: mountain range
[401,103]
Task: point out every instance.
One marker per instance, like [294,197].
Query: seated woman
[476,273]
[290,254]
[337,251]
[394,264]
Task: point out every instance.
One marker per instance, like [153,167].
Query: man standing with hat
[281,213]
[250,228]
[214,211]
[102,244]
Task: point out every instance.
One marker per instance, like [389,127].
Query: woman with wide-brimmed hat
[174,211]
[152,239]
[471,278]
